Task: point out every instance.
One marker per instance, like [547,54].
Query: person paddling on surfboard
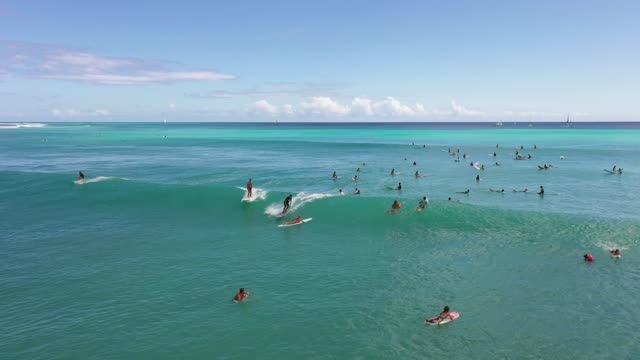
[287,203]
[393,172]
[334,176]
[249,188]
[395,207]
[464,192]
[357,192]
[241,295]
[615,252]
[423,203]
[81,175]
[294,221]
[438,319]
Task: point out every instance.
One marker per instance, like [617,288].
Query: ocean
[142,259]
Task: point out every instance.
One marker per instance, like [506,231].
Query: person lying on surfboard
[357,192]
[438,319]
[525,190]
[615,252]
[464,192]
[294,221]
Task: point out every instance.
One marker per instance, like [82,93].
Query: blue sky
[319,61]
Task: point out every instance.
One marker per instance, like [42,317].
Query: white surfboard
[298,223]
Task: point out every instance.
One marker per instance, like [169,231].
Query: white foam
[297,202]
[258,194]
[610,246]
[21,125]
[97,179]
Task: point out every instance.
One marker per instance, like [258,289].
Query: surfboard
[336,178]
[301,222]
[390,187]
[616,256]
[454,315]
[609,171]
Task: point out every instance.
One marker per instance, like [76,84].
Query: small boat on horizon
[568,123]
[499,123]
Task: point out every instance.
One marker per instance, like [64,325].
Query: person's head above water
[424,198]
[588,257]
[446,308]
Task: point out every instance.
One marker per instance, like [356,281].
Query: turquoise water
[142,260]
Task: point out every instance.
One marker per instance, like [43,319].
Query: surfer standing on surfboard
[287,203]
[249,188]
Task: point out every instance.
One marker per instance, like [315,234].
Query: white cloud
[73,113]
[322,105]
[263,106]
[362,106]
[47,62]
[287,109]
[461,110]
[392,107]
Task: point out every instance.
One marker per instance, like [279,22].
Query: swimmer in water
[334,176]
[525,190]
[615,252]
[80,175]
[241,295]
[414,163]
[456,200]
[355,178]
[541,192]
[358,170]
[399,187]
[357,192]
[495,190]
[393,172]
[417,174]
[498,164]
[341,192]
[477,177]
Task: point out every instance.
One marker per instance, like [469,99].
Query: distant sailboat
[568,124]
[499,123]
